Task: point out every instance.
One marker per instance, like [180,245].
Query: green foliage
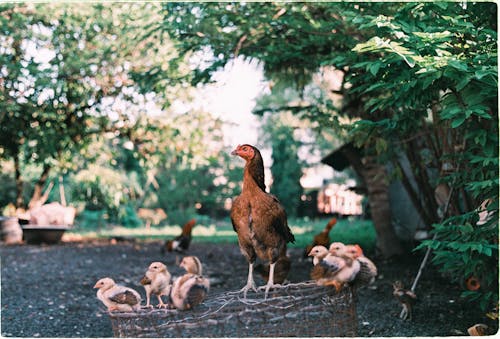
[286,167]
[419,79]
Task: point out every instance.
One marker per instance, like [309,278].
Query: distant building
[339,199]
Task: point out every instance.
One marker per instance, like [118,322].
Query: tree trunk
[377,185]
[36,198]
[374,177]
[19,182]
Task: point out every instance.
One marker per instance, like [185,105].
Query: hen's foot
[248,286]
[267,287]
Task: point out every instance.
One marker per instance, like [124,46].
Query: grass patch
[349,231]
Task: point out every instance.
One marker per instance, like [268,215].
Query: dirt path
[47,290]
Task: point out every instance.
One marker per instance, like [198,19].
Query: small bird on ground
[318,253]
[406,297]
[336,270]
[322,238]
[157,281]
[116,297]
[192,288]
[181,242]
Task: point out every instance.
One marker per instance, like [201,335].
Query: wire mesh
[294,310]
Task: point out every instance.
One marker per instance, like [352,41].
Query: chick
[318,253]
[406,297]
[337,248]
[336,270]
[192,265]
[367,271]
[189,290]
[116,297]
[157,280]
[192,288]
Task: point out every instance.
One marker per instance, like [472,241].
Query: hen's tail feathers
[188,227]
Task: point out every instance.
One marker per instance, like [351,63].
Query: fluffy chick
[189,290]
[157,281]
[192,265]
[192,288]
[318,253]
[116,297]
[367,271]
[336,270]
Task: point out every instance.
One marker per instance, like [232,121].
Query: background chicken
[181,242]
[192,288]
[336,270]
[116,297]
[157,281]
[258,218]
[406,297]
[322,238]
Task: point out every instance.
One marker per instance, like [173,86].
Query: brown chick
[259,219]
[281,270]
[322,238]
[157,281]
[116,297]
[192,288]
[336,270]
[367,271]
[318,253]
[406,297]
[181,242]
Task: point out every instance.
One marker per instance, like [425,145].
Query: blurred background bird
[181,242]
[336,270]
[258,218]
[406,298]
[117,297]
[322,238]
[157,281]
[192,288]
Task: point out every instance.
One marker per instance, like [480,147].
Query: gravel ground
[47,291]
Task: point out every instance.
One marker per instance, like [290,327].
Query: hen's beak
[235,151]
[95,286]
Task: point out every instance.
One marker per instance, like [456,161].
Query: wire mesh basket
[295,310]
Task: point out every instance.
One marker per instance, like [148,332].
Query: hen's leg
[270,282]
[250,282]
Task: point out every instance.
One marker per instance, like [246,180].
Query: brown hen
[258,218]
